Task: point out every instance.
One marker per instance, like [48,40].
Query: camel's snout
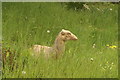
[74,37]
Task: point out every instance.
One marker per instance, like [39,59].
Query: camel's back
[42,49]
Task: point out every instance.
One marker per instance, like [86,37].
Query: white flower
[91,59]
[23,72]
[112,63]
[48,31]
[110,9]
[93,46]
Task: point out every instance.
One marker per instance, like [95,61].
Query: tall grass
[26,24]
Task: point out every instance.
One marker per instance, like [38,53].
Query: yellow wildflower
[113,46]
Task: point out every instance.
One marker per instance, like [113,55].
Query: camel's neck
[59,45]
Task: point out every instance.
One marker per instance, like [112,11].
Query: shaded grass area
[26,24]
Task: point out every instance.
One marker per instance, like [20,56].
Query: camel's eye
[68,33]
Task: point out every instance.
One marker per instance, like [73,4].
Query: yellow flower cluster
[111,46]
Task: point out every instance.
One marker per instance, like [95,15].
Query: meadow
[93,55]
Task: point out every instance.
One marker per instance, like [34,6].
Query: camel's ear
[63,29]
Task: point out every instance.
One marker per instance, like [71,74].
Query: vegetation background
[0,40]
[93,55]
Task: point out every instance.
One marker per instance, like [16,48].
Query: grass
[26,24]
[0,21]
